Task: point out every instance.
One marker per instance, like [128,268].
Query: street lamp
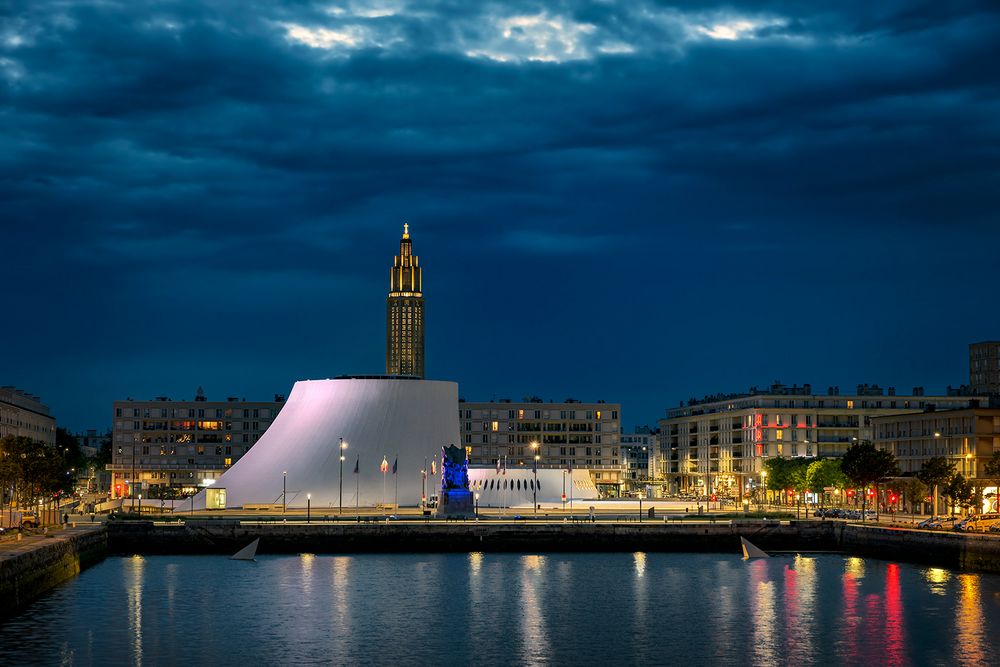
[534,490]
[340,504]
[763,485]
[477,505]
[308,507]
[641,496]
[284,490]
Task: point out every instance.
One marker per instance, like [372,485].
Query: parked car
[979,522]
[932,523]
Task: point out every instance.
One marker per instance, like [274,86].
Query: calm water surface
[485,609]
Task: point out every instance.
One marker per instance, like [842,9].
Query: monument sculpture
[455,499]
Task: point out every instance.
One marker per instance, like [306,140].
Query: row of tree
[866,467]
[30,470]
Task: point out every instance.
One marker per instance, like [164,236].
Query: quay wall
[30,568]
[963,551]
[227,537]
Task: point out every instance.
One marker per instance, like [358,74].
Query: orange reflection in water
[849,594]
[764,621]
[969,646]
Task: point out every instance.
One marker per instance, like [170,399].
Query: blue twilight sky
[630,200]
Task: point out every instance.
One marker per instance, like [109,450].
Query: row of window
[195,413]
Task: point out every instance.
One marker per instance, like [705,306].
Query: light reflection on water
[484,609]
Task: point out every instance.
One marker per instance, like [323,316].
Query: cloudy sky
[632,201]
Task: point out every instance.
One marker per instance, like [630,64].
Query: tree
[961,491]
[935,473]
[783,473]
[823,473]
[991,474]
[914,490]
[866,466]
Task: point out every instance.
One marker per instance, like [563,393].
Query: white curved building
[515,487]
[395,418]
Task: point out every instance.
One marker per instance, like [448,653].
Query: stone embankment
[228,536]
[32,566]
[963,551]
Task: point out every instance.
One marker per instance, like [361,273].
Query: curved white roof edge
[400,420]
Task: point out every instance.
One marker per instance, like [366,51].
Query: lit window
[850,405]
[495,426]
[779,434]
[229,461]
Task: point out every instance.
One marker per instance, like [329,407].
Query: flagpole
[357,488]
[395,483]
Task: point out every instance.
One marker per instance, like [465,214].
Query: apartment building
[966,437]
[638,455]
[23,414]
[984,367]
[718,444]
[182,444]
[571,433]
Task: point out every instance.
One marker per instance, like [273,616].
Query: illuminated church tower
[404,316]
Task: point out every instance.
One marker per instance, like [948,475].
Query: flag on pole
[433,468]
[504,470]
[395,461]
[498,465]
[384,466]
[357,465]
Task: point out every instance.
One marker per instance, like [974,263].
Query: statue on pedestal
[455,499]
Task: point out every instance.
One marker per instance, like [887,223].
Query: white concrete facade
[378,418]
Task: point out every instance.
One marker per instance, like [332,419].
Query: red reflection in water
[895,644]
[851,620]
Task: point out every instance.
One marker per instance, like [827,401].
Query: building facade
[23,414]
[984,368]
[404,319]
[561,435]
[966,437]
[719,444]
[184,445]
[638,456]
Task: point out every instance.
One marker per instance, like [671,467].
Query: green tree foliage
[784,473]
[823,473]
[865,466]
[29,470]
[991,475]
[961,491]
[936,471]
[914,491]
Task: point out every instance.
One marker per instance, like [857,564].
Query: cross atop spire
[406,230]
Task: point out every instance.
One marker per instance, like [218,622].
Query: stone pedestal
[456,503]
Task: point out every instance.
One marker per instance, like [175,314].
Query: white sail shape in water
[248,552]
[750,551]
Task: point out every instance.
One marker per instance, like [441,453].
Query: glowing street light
[308,507]
[340,503]
[284,487]
[534,491]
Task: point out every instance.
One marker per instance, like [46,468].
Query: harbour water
[486,609]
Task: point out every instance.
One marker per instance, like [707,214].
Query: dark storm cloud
[153,151]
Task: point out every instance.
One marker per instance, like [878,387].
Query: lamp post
[763,486]
[340,503]
[308,507]
[131,491]
[641,496]
[477,505]
[934,508]
[284,490]
[534,490]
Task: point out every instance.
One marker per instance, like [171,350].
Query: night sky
[632,201]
